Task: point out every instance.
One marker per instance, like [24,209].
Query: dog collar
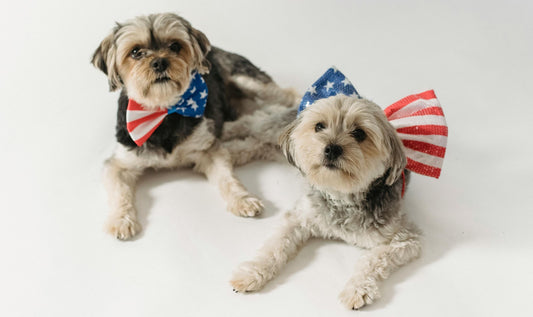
[142,123]
[403,183]
[418,120]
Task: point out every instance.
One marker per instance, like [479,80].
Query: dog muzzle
[418,120]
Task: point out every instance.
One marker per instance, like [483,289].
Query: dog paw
[357,296]
[247,206]
[123,227]
[248,278]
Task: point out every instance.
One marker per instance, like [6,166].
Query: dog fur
[353,161]
[236,87]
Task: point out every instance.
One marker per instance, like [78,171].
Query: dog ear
[397,159]
[286,144]
[104,58]
[201,47]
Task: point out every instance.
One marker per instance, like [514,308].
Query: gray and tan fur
[353,160]
[151,59]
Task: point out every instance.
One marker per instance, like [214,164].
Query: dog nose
[333,151]
[159,64]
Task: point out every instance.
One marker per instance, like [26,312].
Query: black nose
[332,152]
[159,64]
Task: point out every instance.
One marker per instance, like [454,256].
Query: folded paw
[123,227]
[355,296]
[248,278]
[247,206]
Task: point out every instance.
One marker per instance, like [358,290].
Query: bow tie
[142,123]
[418,120]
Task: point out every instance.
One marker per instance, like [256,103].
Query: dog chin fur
[353,196]
[151,58]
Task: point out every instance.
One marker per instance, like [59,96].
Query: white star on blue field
[332,83]
[193,101]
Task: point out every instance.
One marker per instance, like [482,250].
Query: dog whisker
[154,59]
[349,199]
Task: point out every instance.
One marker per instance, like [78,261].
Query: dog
[354,162]
[156,60]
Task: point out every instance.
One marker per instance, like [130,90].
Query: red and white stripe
[141,123]
[421,126]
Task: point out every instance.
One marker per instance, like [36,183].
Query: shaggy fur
[151,58]
[353,161]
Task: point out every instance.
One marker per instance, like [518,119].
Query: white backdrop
[57,122]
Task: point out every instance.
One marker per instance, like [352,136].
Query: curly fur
[355,197]
[236,87]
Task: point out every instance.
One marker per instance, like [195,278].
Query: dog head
[343,143]
[153,57]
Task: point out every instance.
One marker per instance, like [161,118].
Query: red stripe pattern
[142,123]
[420,123]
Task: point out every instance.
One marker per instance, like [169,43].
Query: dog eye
[319,126]
[359,135]
[136,53]
[175,47]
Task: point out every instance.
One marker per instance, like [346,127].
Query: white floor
[57,125]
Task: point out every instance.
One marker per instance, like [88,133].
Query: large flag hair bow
[418,120]
[142,123]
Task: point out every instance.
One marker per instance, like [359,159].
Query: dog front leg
[278,250]
[120,184]
[377,265]
[216,164]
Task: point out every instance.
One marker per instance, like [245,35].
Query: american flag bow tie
[142,123]
[418,120]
